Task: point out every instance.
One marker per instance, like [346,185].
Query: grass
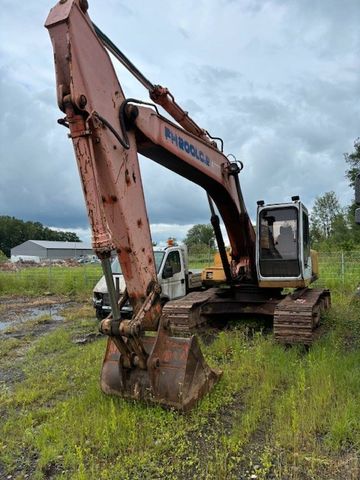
[277,412]
[72,281]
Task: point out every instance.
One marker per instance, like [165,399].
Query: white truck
[173,275]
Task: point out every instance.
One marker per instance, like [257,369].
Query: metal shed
[38,250]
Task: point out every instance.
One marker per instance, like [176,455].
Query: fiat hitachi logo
[186,146]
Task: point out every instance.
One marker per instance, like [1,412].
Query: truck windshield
[158,260]
[116,268]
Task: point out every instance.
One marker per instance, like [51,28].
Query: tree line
[14,232]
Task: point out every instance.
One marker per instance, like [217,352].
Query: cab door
[173,282]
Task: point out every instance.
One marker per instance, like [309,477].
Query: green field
[59,280]
[277,412]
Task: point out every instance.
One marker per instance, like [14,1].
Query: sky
[278,80]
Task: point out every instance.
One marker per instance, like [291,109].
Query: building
[39,250]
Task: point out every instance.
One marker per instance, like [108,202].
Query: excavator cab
[283,256]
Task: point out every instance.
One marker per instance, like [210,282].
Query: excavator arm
[108,131]
[198,161]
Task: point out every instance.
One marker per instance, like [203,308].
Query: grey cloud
[337,32]
[192,106]
[259,110]
[213,76]
[292,142]
[171,198]
[184,33]
[283,92]
[39,180]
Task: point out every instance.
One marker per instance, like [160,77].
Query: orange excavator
[108,132]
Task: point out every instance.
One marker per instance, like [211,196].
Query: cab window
[173,261]
[279,253]
[306,237]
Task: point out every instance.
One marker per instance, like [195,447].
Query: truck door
[173,281]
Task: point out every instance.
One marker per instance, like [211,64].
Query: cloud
[215,76]
[39,180]
[277,80]
[83,233]
[160,232]
[163,231]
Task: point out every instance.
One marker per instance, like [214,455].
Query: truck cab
[173,275]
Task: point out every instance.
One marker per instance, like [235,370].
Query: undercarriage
[295,317]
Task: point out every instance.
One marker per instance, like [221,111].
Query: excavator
[155,355]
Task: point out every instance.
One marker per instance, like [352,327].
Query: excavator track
[297,316]
[182,317]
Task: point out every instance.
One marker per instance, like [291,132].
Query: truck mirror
[168,271]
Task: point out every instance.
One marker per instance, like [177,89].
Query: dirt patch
[22,319]
[13,375]
[16,310]
[19,310]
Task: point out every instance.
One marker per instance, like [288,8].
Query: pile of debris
[23,264]
[8,267]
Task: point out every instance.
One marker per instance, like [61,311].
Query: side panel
[315,263]
[305,251]
[29,248]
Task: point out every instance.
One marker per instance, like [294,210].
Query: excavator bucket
[177,375]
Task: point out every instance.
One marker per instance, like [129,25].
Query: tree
[200,235]
[3,257]
[14,232]
[353,160]
[326,209]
